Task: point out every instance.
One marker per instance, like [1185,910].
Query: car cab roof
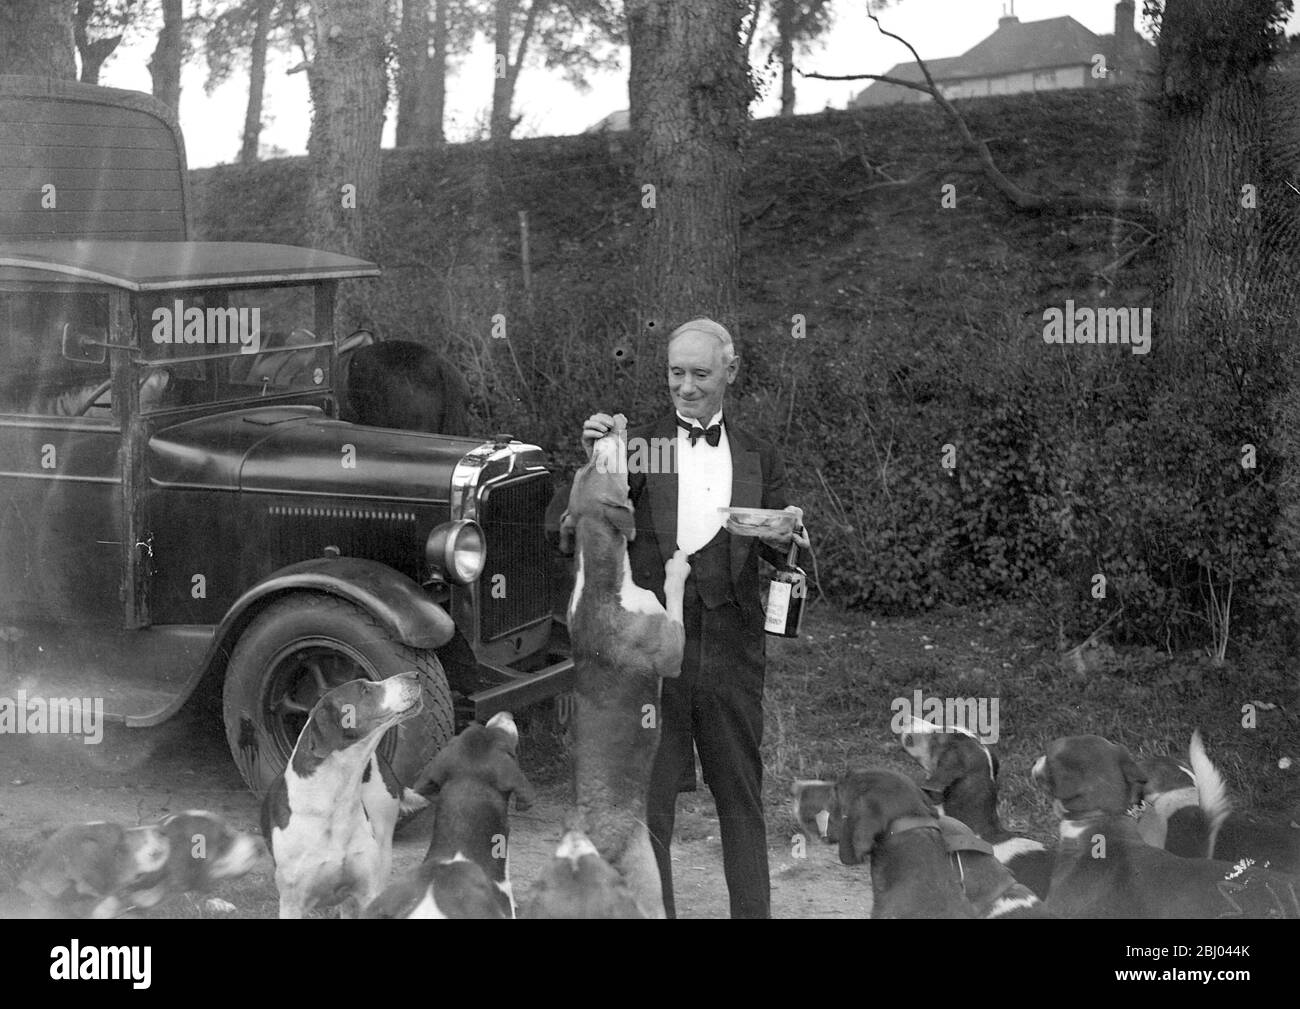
[166,266]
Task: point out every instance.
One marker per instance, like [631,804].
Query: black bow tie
[712,434]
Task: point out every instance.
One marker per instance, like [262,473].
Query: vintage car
[179,501]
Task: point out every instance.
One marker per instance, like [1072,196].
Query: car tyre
[302,645]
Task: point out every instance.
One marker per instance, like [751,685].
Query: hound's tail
[1211,791]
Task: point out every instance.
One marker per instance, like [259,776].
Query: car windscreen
[223,345]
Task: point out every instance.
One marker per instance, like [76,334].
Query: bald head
[701,364]
[713,330]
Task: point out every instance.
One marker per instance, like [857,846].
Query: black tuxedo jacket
[723,576]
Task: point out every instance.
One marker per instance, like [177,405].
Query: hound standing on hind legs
[624,642]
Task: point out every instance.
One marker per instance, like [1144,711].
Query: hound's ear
[96,860]
[948,768]
[1065,779]
[1134,776]
[862,823]
[567,526]
[930,804]
[621,518]
[522,790]
[430,782]
[510,780]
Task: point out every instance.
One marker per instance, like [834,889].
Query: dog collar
[1133,812]
[966,842]
[906,823]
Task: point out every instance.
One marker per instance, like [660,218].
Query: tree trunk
[93,54]
[501,82]
[689,91]
[349,89]
[433,107]
[503,89]
[256,82]
[36,39]
[1213,114]
[165,64]
[412,71]
[785,53]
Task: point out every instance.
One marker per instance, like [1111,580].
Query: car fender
[389,596]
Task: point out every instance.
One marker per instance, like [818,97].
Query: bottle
[785,598]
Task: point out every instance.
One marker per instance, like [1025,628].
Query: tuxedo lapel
[662,488]
[746,491]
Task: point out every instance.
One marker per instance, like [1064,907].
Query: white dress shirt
[703,485]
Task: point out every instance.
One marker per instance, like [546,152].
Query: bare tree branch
[1107,272]
[1017,196]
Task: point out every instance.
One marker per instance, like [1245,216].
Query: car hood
[299,450]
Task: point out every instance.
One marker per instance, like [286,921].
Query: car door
[60,477]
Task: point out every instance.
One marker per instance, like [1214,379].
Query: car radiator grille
[512,589]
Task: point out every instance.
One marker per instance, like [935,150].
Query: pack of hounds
[1138,838]
[1154,837]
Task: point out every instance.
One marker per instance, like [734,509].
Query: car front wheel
[293,652]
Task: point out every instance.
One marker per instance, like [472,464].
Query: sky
[550,106]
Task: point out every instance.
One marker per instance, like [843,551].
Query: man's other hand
[782,541]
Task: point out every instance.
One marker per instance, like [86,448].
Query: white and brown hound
[624,642]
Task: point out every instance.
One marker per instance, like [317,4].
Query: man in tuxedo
[716,705]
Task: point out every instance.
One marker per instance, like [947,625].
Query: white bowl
[759,521]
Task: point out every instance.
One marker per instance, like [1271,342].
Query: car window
[35,378]
[256,343]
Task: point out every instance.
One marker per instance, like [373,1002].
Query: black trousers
[717,707]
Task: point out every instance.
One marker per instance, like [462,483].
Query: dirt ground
[139,775]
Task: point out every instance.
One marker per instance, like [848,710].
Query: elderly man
[716,706]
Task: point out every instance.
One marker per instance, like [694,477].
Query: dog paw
[677,566]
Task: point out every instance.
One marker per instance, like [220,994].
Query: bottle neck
[793,555]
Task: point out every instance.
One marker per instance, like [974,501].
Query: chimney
[1124,36]
[1008,16]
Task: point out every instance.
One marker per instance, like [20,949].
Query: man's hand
[781,541]
[596,427]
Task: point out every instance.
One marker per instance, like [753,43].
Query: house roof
[1030,45]
[941,70]
[163,266]
[612,123]
[1017,46]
